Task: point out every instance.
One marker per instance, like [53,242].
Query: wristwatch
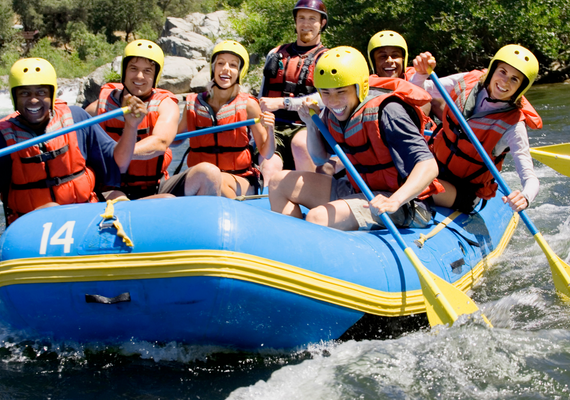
[287,103]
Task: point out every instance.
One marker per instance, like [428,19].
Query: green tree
[50,17]
[462,34]
[110,16]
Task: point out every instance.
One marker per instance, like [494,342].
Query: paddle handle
[357,178]
[48,136]
[486,159]
[217,128]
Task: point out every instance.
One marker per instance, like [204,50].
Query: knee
[318,215]
[207,171]
[276,180]
[299,141]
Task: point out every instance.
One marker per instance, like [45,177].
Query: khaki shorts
[414,214]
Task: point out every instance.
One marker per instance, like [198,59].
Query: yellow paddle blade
[556,157]
[560,270]
[444,302]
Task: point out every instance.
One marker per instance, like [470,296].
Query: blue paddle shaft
[358,179]
[486,159]
[48,136]
[217,128]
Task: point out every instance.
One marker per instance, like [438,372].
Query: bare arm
[263,132]
[315,143]
[92,108]
[124,149]
[163,132]
[423,173]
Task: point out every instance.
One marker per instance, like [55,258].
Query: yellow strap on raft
[420,242]
[110,214]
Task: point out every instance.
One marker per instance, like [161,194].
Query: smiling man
[288,75]
[141,68]
[382,136]
[64,169]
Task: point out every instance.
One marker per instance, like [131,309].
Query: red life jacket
[418,98]
[228,150]
[410,71]
[141,173]
[51,171]
[457,158]
[292,78]
[364,144]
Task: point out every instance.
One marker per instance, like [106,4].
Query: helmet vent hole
[333,71]
[25,70]
[517,52]
[526,58]
[149,46]
[38,69]
[322,72]
[139,44]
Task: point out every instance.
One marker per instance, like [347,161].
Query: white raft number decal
[56,239]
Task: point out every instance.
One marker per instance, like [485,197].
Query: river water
[525,356]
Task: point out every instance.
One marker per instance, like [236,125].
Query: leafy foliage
[461,34]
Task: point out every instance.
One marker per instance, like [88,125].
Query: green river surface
[525,356]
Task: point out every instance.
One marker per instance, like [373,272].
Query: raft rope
[109,214]
[251,197]
[420,242]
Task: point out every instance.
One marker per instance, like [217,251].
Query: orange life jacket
[410,71]
[141,173]
[418,98]
[51,171]
[364,144]
[229,150]
[292,78]
[457,158]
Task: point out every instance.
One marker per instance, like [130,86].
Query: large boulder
[91,87]
[179,72]
[179,39]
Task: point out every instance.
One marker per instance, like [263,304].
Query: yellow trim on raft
[233,265]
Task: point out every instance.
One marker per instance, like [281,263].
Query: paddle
[217,128]
[556,156]
[444,302]
[560,270]
[48,136]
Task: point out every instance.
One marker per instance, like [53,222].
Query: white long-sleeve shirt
[516,137]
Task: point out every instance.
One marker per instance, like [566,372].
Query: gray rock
[91,87]
[178,73]
[200,81]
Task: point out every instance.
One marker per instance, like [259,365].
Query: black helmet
[314,5]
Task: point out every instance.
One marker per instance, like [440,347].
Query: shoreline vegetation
[463,34]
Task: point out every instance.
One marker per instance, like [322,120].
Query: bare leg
[447,198]
[288,189]
[269,167]
[336,214]
[204,179]
[233,186]
[303,160]
[113,194]
[48,205]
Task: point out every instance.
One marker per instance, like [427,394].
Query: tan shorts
[414,214]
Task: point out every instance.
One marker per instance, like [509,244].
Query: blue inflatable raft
[213,271]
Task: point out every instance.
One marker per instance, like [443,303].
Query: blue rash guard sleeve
[97,148]
[407,146]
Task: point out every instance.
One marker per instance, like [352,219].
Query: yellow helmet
[146,49]
[386,38]
[235,48]
[340,67]
[520,58]
[32,71]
